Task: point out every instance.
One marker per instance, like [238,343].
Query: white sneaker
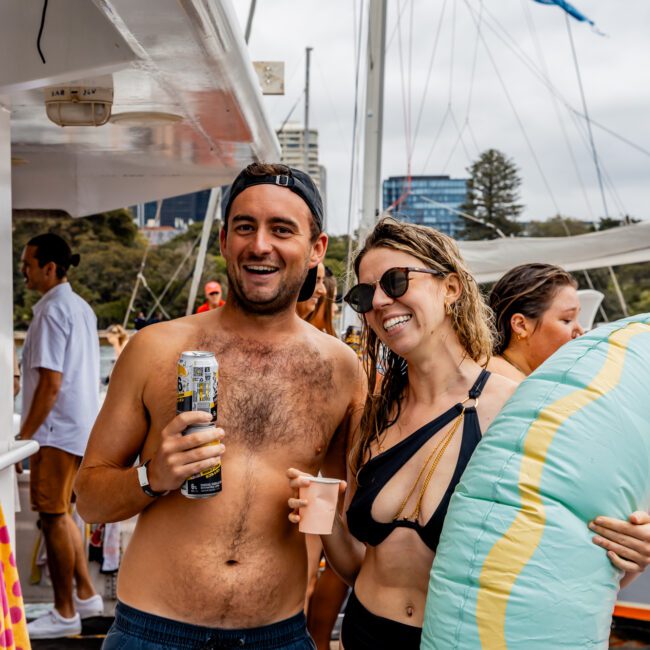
[87,607]
[54,626]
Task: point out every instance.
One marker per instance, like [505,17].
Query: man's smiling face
[268,248]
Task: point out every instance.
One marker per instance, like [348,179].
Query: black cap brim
[308,286]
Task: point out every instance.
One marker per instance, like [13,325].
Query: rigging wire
[516,114]
[436,138]
[429,70]
[328,94]
[586,113]
[542,60]
[290,113]
[470,92]
[287,83]
[618,136]
[452,55]
[406,109]
[400,11]
[459,140]
[512,45]
[355,144]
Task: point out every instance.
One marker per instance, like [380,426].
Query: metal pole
[305,137]
[7,477]
[619,293]
[214,205]
[156,221]
[373,128]
[374,117]
[135,287]
[249,22]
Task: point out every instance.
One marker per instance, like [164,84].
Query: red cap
[212,287]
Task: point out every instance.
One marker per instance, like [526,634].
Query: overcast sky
[615,73]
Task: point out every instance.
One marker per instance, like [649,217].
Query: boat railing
[18,450]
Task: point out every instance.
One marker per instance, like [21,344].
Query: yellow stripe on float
[513,550]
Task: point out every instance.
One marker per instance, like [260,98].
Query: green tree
[110,248]
[558,226]
[336,258]
[492,196]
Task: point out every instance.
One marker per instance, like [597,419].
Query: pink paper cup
[322,494]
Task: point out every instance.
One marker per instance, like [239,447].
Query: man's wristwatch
[144,482]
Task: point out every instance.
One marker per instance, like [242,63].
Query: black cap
[297,182]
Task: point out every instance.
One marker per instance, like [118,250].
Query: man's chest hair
[274,395]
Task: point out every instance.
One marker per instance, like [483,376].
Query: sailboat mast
[305,137]
[374,117]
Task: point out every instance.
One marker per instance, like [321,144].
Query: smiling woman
[425,320]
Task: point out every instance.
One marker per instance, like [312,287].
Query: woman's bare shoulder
[499,366]
[499,389]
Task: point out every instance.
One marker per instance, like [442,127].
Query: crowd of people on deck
[398,428]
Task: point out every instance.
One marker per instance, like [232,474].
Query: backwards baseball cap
[294,180]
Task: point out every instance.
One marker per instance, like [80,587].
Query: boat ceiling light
[86,102]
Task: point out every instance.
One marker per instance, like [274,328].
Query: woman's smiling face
[402,323]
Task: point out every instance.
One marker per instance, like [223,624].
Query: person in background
[16,374]
[322,317]
[536,309]
[118,337]
[306,308]
[60,402]
[140,321]
[213,299]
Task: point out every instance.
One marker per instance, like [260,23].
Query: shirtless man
[229,571]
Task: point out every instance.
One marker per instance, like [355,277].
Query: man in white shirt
[60,402]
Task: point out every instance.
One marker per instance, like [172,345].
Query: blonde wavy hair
[471,320]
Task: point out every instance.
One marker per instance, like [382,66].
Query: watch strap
[143,479]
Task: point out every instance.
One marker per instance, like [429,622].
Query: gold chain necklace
[513,364]
[436,455]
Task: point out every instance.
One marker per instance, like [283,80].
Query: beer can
[198,383]
[198,387]
[206,483]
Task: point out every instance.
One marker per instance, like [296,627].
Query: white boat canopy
[489,260]
[182,60]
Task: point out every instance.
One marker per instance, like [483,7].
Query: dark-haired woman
[536,309]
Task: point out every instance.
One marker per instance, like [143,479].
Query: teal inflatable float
[516,568]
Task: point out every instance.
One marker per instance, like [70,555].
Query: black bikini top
[374,475]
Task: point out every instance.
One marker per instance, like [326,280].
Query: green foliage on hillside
[111,251]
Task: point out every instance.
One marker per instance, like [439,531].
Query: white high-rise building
[292,141]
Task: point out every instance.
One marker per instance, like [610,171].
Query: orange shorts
[51,474]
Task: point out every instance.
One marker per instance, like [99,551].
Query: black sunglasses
[394,283]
